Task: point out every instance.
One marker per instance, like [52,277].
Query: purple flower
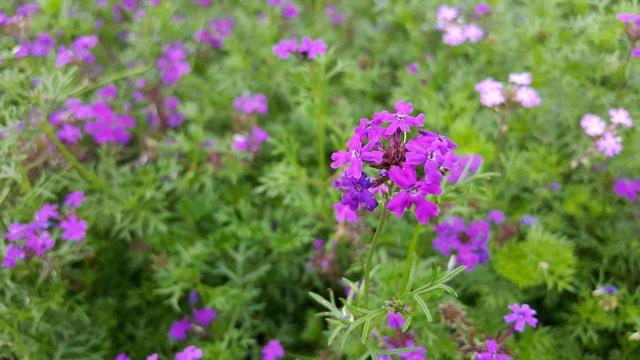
[42,45]
[395,320]
[454,35]
[402,119]
[413,192]
[468,242]
[174,117]
[173,64]
[216,32]
[627,188]
[123,356]
[609,144]
[522,79]
[73,228]
[527,97]
[473,33]
[46,212]
[593,125]
[481,9]
[492,352]
[289,11]
[194,297]
[357,193]
[251,142]
[605,290]
[496,216]
[109,126]
[108,92]
[491,92]
[312,48]
[273,350]
[284,47]
[620,117]
[335,17]
[204,316]
[191,352]
[152,356]
[355,156]
[412,68]
[466,166]
[74,199]
[520,316]
[344,213]
[179,328]
[446,14]
[69,134]
[11,255]
[251,103]
[529,220]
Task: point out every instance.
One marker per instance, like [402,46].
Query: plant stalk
[374,242]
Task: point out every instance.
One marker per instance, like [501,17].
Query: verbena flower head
[492,352]
[204,316]
[306,49]
[468,242]
[520,316]
[173,64]
[251,142]
[178,330]
[632,26]
[605,290]
[40,47]
[518,92]
[191,352]
[272,350]
[216,32]
[466,166]
[496,216]
[80,51]
[415,166]
[412,68]
[606,138]
[335,16]
[456,30]
[627,188]
[288,8]
[27,240]
[252,103]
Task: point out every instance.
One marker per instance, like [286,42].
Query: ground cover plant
[289,179]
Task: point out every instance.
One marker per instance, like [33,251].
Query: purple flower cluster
[251,103]
[627,188]
[100,120]
[606,138]
[492,352]
[520,316]
[201,317]
[80,51]
[191,352]
[21,18]
[215,33]
[288,8]
[450,20]
[27,240]
[335,16]
[466,166]
[395,322]
[307,49]
[468,242]
[40,47]
[251,142]
[273,350]
[399,161]
[323,257]
[632,24]
[518,91]
[173,64]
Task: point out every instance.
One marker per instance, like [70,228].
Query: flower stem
[374,241]
[319,95]
[411,253]
[502,130]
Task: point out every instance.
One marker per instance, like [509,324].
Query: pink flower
[473,33]
[273,350]
[527,97]
[344,213]
[523,79]
[620,117]
[593,125]
[609,144]
[284,47]
[454,35]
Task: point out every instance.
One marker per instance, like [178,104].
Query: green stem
[87,175]
[411,252]
[319,94]
[108,79]
[502,129]
[374,242]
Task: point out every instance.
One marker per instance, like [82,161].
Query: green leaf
[423,306]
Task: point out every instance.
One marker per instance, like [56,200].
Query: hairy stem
[374,241]
[411,253]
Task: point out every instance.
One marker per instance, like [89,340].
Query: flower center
[400,116]
[414,190]
[355,153]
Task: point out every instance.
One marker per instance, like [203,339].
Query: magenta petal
[398,203]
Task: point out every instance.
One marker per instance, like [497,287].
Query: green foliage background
[241,232]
